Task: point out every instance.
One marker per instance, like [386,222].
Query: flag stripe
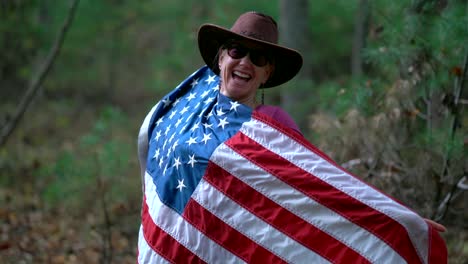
[176,233]
[227,236]
[321,166]
[300,204]
[331,186]
[327,195]
[145,253]
[280,218]
[253,227]
[163,244]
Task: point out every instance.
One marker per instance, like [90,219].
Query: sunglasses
[257,57]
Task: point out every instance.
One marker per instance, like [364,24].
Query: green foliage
[97,165]
[18,44]
[331,29]
[338,97]
[404,108]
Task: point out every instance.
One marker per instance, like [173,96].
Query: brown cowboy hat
[253,30]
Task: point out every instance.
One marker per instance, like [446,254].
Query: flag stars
[189,117]
[184,110]
[192,160]
[176,102]
[191,96]
[205,94]
[206,137]
[189,122]
[191,141]
[209,100]
[223,122]
[234,106]
[206,125]
[176,143]
[177,163]
[178,122]
[171,138]
[194,82]
[169,150]
[183,128]
[160,120]
[220,112]
[173,113]
[158,135]
[195,126]
[210,79]
[167,102]
[181,185]
[156,154]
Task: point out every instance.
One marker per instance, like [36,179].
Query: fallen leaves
[31,234]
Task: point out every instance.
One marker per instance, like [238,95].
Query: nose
[246,59]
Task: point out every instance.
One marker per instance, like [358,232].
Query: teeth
[242,75]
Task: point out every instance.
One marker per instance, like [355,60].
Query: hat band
[255,35]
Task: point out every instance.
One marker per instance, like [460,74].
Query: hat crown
[258,26]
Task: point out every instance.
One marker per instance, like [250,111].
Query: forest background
[383,91]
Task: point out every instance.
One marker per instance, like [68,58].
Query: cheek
[266,75]
[222,66]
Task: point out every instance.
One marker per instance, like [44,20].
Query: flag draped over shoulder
[223,184]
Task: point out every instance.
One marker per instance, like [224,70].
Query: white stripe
[182,231]
[145,253]
[143,144]
[253,227]
[355,237]
[307,160]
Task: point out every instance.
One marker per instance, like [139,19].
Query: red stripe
[291,133]
[228,237]
[162,243]
[379,224]
[437,248]
[282,219]
[303,141]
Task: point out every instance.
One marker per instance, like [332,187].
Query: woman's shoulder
[269,109]
[278,114]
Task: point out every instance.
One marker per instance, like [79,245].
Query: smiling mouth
[241,75]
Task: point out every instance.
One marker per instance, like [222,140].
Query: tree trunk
[293,30]
[37,79]
[361,26]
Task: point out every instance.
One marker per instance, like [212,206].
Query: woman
[181,132]
[229,180]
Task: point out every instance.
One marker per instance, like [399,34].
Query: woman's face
[240,78]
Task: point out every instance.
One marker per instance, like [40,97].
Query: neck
[248,101]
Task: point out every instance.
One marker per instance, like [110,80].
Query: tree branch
[39,78]
[458,88]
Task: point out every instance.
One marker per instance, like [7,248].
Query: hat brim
[288,62]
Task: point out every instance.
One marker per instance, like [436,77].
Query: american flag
[223,184]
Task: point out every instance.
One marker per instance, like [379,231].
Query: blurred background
[383,91]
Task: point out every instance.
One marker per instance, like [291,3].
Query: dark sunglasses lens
[258,58]
[237,52]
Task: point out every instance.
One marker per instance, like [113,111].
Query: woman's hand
[436,225]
